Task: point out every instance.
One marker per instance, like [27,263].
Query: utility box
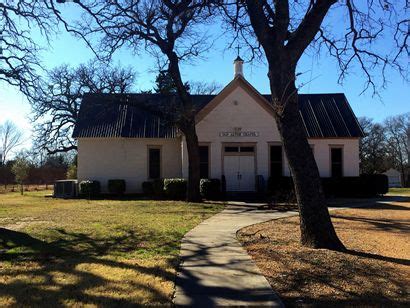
[66,189]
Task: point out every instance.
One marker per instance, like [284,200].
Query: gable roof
[238,81]
[127,115]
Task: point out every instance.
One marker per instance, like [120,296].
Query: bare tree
[281,32]
[56,104]
[18,50]
[10,138]
[396,129]
[168,30]
[204,88]
[373,147]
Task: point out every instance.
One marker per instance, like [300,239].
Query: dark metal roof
[135,116]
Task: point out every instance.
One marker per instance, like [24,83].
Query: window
[336,158]
[247,149]
[237,149]
[276,160]
[231,149]
[204,162]
[154,163]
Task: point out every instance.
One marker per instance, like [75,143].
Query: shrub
[175,189]
[90,188]
[366,185]
[378,183]
[276,184]
[260,184]
[148,188]
[153,188]
[281,189]
[158,187]
[210,189]
[116,186]
[223,186]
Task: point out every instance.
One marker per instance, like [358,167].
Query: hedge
[366,185]
[147,188]
[210,189]
[116,186]
[153,188]
[175,189]
[90,188]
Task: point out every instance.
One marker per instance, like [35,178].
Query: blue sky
[217,66]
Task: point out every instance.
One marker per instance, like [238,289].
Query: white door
[239,173]
[246,173]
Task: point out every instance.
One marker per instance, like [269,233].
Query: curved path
[216,270]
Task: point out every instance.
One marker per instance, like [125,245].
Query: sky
[216,65]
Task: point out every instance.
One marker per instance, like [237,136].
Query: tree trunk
[316,228]
[193,194]
[187,125]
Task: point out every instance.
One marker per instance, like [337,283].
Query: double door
[239,172]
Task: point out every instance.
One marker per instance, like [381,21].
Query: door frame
[239,144]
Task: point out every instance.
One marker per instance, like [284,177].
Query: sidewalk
[216,270]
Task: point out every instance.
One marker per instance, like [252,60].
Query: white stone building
[120,138]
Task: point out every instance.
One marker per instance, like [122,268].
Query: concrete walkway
[216,270]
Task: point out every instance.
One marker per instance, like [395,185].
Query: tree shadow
[35,265]
[349,282]
[378,257]
[200,284]
[381,224]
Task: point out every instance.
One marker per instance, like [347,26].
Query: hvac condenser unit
[66,189]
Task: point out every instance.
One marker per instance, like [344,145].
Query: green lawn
[56,252]
[399,191]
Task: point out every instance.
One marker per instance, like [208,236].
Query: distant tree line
[386,145]
[36,171]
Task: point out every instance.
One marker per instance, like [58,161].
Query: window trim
[336,146]
[154,147]
[270,144]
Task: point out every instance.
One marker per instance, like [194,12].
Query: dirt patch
[21,224]
[375,271]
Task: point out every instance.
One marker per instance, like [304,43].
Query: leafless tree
[18,50]
[57,102]
[281,32]
[10,138]
[204,88]
[396,129]
[169,31]
[373,147]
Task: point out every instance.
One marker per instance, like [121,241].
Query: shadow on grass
[345,281]
[36,282]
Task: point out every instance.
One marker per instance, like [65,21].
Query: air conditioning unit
[66,189]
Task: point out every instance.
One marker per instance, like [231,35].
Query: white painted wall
[250,116]
[351,160]
[122,158]
[107,158]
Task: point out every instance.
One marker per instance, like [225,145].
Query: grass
[399,191]
[375,271]
[56,252]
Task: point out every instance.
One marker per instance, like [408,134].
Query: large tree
[285,30]
[57,102]
[167,29]
[19,61]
